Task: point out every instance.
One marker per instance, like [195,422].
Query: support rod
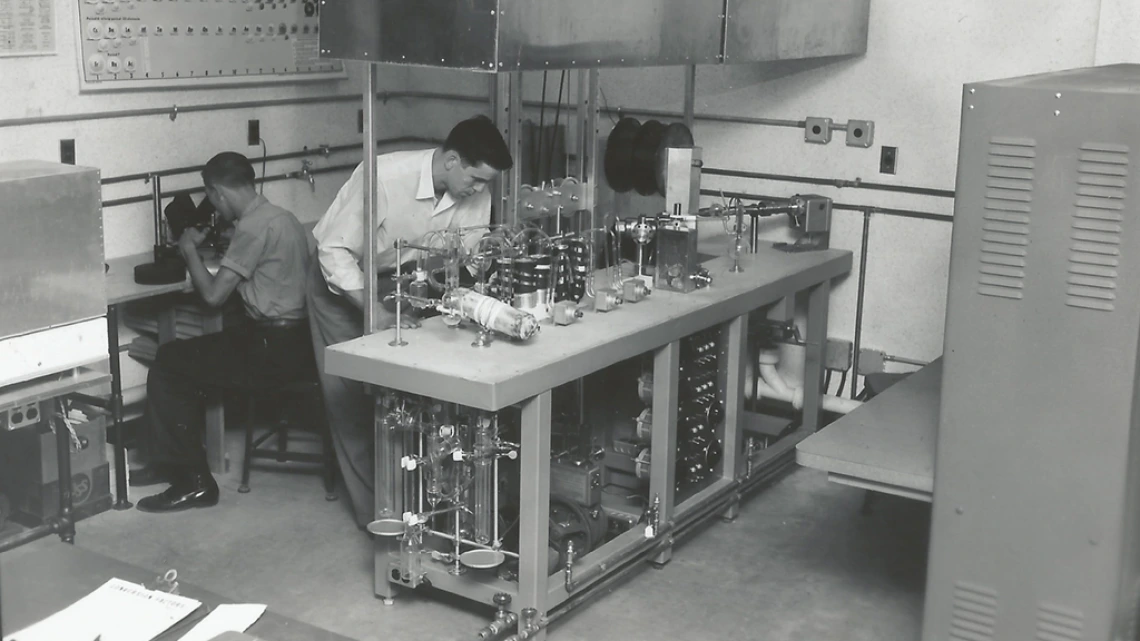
[369,253]
[859,302]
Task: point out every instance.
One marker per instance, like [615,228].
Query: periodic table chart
[144,44]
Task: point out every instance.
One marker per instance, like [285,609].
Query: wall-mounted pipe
[886,211]
[323,150]
[116,202]
[174,111]
[185,170]
[857,183]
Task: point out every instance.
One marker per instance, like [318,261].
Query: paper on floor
[235,617]
[116,611]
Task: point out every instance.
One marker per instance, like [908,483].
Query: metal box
[677,258]
[512,35]
[1036,523]
[581,484]
[51,246]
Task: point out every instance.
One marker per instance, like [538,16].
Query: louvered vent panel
[975,613]
[1102,180]
[1056,623]
[1008,204]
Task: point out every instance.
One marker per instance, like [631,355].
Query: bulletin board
[144,44]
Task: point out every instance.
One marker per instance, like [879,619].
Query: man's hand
[386,319]
[191,238]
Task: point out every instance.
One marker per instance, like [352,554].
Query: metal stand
[116,401]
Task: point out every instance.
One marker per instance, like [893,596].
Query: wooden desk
[888,444]
[122,288]
[40,579]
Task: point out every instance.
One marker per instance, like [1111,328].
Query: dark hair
[477,140]
[229,168]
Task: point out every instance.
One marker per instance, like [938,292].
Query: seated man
[417,192]
[266,263]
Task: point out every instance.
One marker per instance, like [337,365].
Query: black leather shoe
[150,475]
[199,490]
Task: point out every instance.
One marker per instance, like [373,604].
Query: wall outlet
[838,355]
[254,135]
[817,130]
[22,415]
[67,151]
[860,133]
[871,361]
[888,159]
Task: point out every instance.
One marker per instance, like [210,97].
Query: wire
[606,105]
[536,163]
[554,134]
[264,155]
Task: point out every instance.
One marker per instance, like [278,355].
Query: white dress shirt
[406,208]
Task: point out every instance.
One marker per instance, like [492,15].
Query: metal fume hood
[514,35]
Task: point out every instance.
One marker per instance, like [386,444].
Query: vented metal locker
[1036,495]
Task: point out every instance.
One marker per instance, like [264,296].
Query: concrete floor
[800,563]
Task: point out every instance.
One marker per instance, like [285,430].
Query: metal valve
[606,299]
[702,278]
[565,313]
[634,291]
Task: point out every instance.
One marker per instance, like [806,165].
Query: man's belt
[280,323]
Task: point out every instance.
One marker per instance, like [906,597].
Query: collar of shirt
[427,186]
[253,205]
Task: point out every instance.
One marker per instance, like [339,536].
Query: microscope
[180,215]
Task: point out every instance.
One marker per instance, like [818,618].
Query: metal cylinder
[493,314]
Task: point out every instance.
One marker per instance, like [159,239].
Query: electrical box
[1036,518]
[146,44]
[29,471]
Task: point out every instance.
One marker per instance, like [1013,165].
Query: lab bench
[440,362]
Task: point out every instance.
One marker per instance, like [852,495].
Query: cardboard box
[29,471]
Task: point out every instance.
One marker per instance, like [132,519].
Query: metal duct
[514,35]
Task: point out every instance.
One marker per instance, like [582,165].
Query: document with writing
[116,611]
[235,617]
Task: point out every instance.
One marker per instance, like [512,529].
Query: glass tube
[483,504]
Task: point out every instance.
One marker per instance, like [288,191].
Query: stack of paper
[225,618]
[116,611]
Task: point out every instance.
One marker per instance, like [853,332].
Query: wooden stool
[309,393]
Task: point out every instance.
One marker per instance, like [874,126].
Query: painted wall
[49,86]
[909,83]
[919,54]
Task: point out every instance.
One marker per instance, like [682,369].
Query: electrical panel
[1036,526]
[142,44]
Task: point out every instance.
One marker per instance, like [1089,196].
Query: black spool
[619,155]
[525,276]
[645,145]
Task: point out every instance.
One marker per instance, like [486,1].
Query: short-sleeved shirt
[270,252]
